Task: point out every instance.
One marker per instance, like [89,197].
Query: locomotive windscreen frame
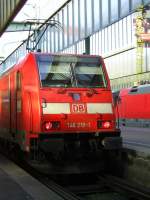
[72,71]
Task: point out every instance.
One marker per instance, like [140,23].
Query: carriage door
[18,102]
[12,104]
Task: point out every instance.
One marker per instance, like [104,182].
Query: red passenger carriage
[134,106]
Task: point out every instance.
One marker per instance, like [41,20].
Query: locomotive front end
[77,115]
[62,112]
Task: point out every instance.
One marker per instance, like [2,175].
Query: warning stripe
[92,108]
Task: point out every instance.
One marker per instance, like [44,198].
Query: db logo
[78,108]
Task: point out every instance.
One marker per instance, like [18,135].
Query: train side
[19,102]
[50,105]
[134,106]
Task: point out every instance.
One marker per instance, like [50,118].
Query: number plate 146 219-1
[78,124]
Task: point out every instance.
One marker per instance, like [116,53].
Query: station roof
[32,9]
[8,10]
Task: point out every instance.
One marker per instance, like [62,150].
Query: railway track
[61,191]
[49,183]
[103,185]
[133,191]
[110,184]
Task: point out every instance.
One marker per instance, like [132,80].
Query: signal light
[106,124]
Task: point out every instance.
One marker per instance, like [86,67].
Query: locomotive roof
[10,62]
[63,54]
[141,89]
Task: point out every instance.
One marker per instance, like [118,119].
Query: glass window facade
[61,32]
[89,17]
[82,18]
[76,20]
[97,14]
[124,33]
[56,36]
[114,10]
[146,1]
[49,40]
[129,30]
[124,7]
[65,25]
[136,3]
[109,38]
[105,9]
[70,25]
[113,38]
[52,41]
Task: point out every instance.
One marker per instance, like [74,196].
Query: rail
[62,192]
[133,190]
[107,184]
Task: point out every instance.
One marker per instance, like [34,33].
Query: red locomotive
[57,105]
[134,106]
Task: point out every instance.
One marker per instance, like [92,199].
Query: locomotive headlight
[106,124]
[51,125]
[48,126]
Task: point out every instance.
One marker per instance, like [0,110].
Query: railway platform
[137,139]
[16,184]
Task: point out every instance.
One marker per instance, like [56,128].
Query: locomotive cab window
[90,75]
[73,71]
[133,89]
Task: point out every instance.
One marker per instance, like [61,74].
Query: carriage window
[73,71]
[18,81]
